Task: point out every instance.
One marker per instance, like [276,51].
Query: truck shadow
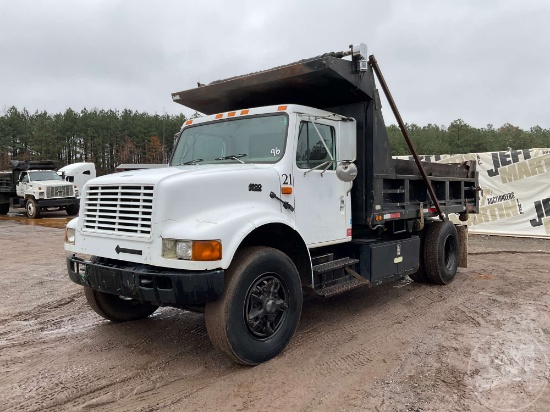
[181,337]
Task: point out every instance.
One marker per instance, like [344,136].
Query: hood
[155,176]
[51,183]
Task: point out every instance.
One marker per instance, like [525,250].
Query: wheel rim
[266,306]
[450,253]
[30,208]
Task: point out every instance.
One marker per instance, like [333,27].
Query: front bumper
[58,202]
[147,283]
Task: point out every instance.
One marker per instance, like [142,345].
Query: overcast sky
[481,61]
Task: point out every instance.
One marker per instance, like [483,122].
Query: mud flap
[462,231]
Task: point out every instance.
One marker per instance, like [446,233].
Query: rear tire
[72,210]
[117,309]
[259,309]
[441,252]
[32,210]
[4,208]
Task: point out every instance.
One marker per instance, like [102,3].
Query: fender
[231,226]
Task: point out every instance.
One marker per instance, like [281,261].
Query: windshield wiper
[232,157]
[191,162]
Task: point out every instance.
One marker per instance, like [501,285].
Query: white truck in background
[78,173]
[35,186]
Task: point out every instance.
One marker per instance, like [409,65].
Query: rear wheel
[441,252]
[4,208]
[260,307]
[32,210]
[116,308]
[72,210]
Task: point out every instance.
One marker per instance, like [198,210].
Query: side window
[24,178]
[70,178]
[310,151]
[87,172]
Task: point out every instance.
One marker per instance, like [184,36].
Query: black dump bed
[321,82]
[384,186]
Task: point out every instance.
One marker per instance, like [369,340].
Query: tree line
[459,137]
[104,137]
[111,137]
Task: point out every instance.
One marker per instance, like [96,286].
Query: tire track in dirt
[88,381]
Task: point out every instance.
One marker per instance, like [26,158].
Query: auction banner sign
[515,196]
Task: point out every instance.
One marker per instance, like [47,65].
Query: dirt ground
[481,343]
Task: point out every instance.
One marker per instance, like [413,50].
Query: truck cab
[267,198]
[78,174]
[300,145]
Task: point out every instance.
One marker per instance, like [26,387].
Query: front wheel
[117,308]
[260,307]
[72,210]
[32,209]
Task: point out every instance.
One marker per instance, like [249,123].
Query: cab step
[333,265]
[352,283]
[350,279]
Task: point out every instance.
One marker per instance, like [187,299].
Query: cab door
[322,201]
[22,183]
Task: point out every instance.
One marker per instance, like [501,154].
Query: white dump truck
[35,186]
[286,186]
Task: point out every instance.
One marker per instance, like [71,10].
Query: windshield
[47,175]
[258,139]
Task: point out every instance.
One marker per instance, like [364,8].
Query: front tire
[117,309]
[72,210]
[259,309]
[32,210]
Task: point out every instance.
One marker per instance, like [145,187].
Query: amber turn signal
[207,250]
[286,190]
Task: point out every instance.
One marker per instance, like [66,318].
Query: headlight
[69,235]
[168,248]
[203,250]
[184,249]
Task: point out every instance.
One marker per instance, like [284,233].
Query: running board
[333,265]
[352,283]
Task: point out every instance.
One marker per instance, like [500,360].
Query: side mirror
[346,171]
[347,141]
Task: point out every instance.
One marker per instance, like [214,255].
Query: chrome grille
[60,191]
[122,209]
